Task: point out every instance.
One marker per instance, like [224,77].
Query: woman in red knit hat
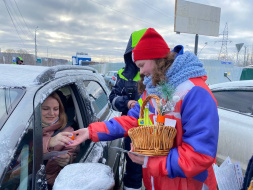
[194,114]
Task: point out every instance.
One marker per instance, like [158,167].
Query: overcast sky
[102,28]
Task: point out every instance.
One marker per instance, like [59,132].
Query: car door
[75,111]
[24,163]
[235,108]
[25,170]
[102,110]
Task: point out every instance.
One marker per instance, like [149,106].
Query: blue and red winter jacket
[189,163]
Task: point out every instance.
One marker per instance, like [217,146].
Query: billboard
[195,18]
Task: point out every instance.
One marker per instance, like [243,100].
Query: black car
[22,91]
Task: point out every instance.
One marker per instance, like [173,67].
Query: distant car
[110,78]
[22,91]
[235,107]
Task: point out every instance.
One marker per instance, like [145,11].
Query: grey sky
[102,27]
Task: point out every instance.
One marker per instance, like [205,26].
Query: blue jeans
[133,173]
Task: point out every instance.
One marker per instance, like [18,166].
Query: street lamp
[36,45]
[202,48]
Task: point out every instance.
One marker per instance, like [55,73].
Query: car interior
[75,118]
[67,101]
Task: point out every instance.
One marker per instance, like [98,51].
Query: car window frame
[82,115]
[103,113]
[39,167]
[232,110]
[43,92]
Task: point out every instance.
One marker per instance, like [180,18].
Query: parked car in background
[22,91]
[235,107]
[110,78]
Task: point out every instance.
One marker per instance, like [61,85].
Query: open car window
[71,101]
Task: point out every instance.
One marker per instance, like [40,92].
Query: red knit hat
[150,46]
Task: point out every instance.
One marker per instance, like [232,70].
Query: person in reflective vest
[124,96]
[19,61]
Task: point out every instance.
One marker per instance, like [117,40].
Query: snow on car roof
[28,75]
[232,85]
[19,75]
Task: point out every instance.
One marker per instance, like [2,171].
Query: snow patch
[96,154]
[85,176]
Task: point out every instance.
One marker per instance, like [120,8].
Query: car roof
[28,75]
[244,84]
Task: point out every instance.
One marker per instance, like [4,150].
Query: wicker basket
[152,140]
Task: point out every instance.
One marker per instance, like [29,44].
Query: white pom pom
[175,98]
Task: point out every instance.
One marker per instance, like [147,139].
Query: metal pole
[244,63]
[251,62]
[237,58]
[47,56]
[196,44]
[35,46]
[202,48]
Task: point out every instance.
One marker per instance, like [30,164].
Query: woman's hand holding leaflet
[62,160]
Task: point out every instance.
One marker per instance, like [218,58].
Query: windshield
[9,98]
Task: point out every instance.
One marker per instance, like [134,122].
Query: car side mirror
[85,176]
[226,75]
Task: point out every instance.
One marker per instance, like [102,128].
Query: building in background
[82,59]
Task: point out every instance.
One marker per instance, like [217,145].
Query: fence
[215,70]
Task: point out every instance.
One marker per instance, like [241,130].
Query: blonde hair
[162,65]
[62,115]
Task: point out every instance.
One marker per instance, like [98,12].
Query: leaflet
[126,151]
[229,176]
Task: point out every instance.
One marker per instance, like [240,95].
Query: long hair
[162,65]
[62,115]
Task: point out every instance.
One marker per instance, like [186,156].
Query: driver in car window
[54,120]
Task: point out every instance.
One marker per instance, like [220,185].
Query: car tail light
[113,78]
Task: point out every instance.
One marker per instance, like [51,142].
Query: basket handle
[146,101]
